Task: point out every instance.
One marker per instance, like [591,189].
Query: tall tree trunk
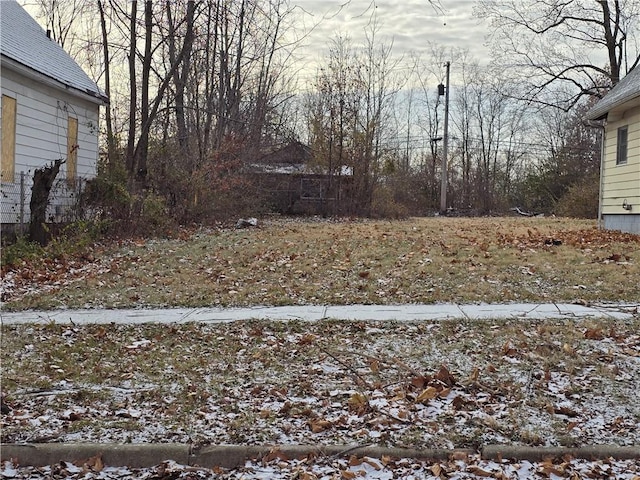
[133,93]
[180,75]
[111,144]
[148,109]
[212,40]
[142,149]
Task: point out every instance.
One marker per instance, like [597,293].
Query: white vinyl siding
[42,124]
[43,116]
[621,181]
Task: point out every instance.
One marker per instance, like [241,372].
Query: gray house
[50,110]
[620,171]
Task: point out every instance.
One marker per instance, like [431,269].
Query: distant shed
[291,184]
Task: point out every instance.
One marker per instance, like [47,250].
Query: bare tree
[180,75]
[111,143]
[584,44]
[133,89]
[139,131]
[350,113]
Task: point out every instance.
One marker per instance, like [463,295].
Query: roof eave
[596,114]
[95,97]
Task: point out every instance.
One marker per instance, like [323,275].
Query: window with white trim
[621,149]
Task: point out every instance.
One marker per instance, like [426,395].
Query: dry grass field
[295,261]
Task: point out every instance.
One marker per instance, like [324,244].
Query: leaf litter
[327,468]
[440,384]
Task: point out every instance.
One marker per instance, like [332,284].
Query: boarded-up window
[72,150]
[8,134]
[621,150]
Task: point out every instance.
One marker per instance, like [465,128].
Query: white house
[50,110]
[620,172]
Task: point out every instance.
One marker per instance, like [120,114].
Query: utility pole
[443,182]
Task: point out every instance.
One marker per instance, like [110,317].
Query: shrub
[154,214]
[203,190]
[581,199]
[384,205]
[76,237]
[21,250]
[106,198]
[72,239]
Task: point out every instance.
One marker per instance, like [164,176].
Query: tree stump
[43,179]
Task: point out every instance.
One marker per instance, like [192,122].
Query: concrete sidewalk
[410,312]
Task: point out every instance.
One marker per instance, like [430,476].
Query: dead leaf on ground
[94,464]
[479,471]
[509,350]
[445,376]
[427,394]
[319,425]
[348,474]
[358,403]
[594,334]
[274,454]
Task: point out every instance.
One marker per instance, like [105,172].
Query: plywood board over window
[72,150]
[8,134]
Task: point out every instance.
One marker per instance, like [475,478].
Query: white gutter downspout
[600,190]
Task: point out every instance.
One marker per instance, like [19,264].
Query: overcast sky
[411,24]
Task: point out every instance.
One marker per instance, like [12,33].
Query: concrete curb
[536,454]
[231,456]
[132,455]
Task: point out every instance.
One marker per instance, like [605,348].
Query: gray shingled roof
[24,41]
[627,89]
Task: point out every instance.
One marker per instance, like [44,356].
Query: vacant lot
[422,384]
[287,261]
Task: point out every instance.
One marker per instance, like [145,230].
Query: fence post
[21,203]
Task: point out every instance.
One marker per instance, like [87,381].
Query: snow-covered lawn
[343,468]
[427,385]
[440,384]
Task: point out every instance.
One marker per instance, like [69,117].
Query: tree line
[201,89]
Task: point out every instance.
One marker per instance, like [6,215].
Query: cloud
[412,25]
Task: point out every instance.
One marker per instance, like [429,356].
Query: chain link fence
[63,201]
